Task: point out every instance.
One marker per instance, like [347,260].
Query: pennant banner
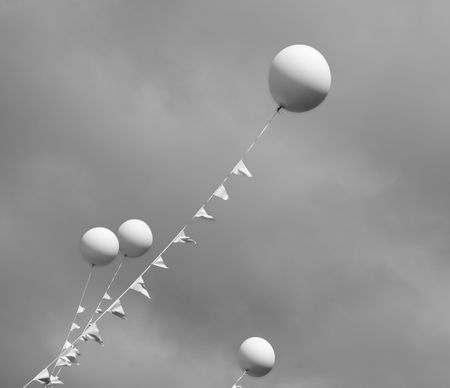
[159,262]
[139,286]
[80,309]
[182,238]
[117,310]
[74,327]
[92,333]
[47,379]
[204,215]
[106,296]
[241,169]
[98,310]
[221,193]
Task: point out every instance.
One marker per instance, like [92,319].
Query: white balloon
[135,238]
[99,246]
[256,356]
[299,78]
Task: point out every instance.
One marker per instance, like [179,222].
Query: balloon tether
[240,378]
[76,314]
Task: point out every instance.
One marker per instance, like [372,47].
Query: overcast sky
[337,251]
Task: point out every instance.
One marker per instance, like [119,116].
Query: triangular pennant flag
[117,310]
[74,327]
[139,286]
[106,296]
[80,309]
[221,193]
[203,214]
[92,333]
[182,238]
[69,357]
[67,345]
[98,310]
[241,169]
[43,377]
[159,262]
[63,361]
[54,380]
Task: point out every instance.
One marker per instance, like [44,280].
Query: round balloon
[99,246]
[135,238]
[256,356]
[299,78]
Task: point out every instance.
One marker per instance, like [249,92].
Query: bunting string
[76,313]
[221,194]
[106,292]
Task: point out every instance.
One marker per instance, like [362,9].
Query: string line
[73,321]
[147,269]
[239,378]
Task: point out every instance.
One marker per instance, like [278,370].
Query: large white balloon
[256,356]
[135,238]
[299,78]
[99,246]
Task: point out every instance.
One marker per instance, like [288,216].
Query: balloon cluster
[299,80]
[99,246]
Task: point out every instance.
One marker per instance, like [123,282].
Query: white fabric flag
[241,169]
[67,345]
[43,377]
[139,286]
[98,310]
[159,262]
[117,310]
[182,238]
[80,309]
[106,296]
[92,333]
[203,214]
[74,327]
[54,380]
[48,380]
[221,193]
[63,361]
[69,357]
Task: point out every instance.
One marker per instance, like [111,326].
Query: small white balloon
[99,246]
[256,356]
[299,78]
[135,238]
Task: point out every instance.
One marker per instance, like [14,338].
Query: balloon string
[106,291]
[239,378]
[277,111]
[76,313]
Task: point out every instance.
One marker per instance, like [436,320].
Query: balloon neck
[279,108]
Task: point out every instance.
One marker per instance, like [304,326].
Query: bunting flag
[80,309]
[62,361]
[182,238]
[117,310]
[98,310]
[69,357]
[241,169]
[92,333]
[139,286]
[221,193]
[74,327]
[159,262]
[67,345]
[106,296]
[47,379]
[203,214]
